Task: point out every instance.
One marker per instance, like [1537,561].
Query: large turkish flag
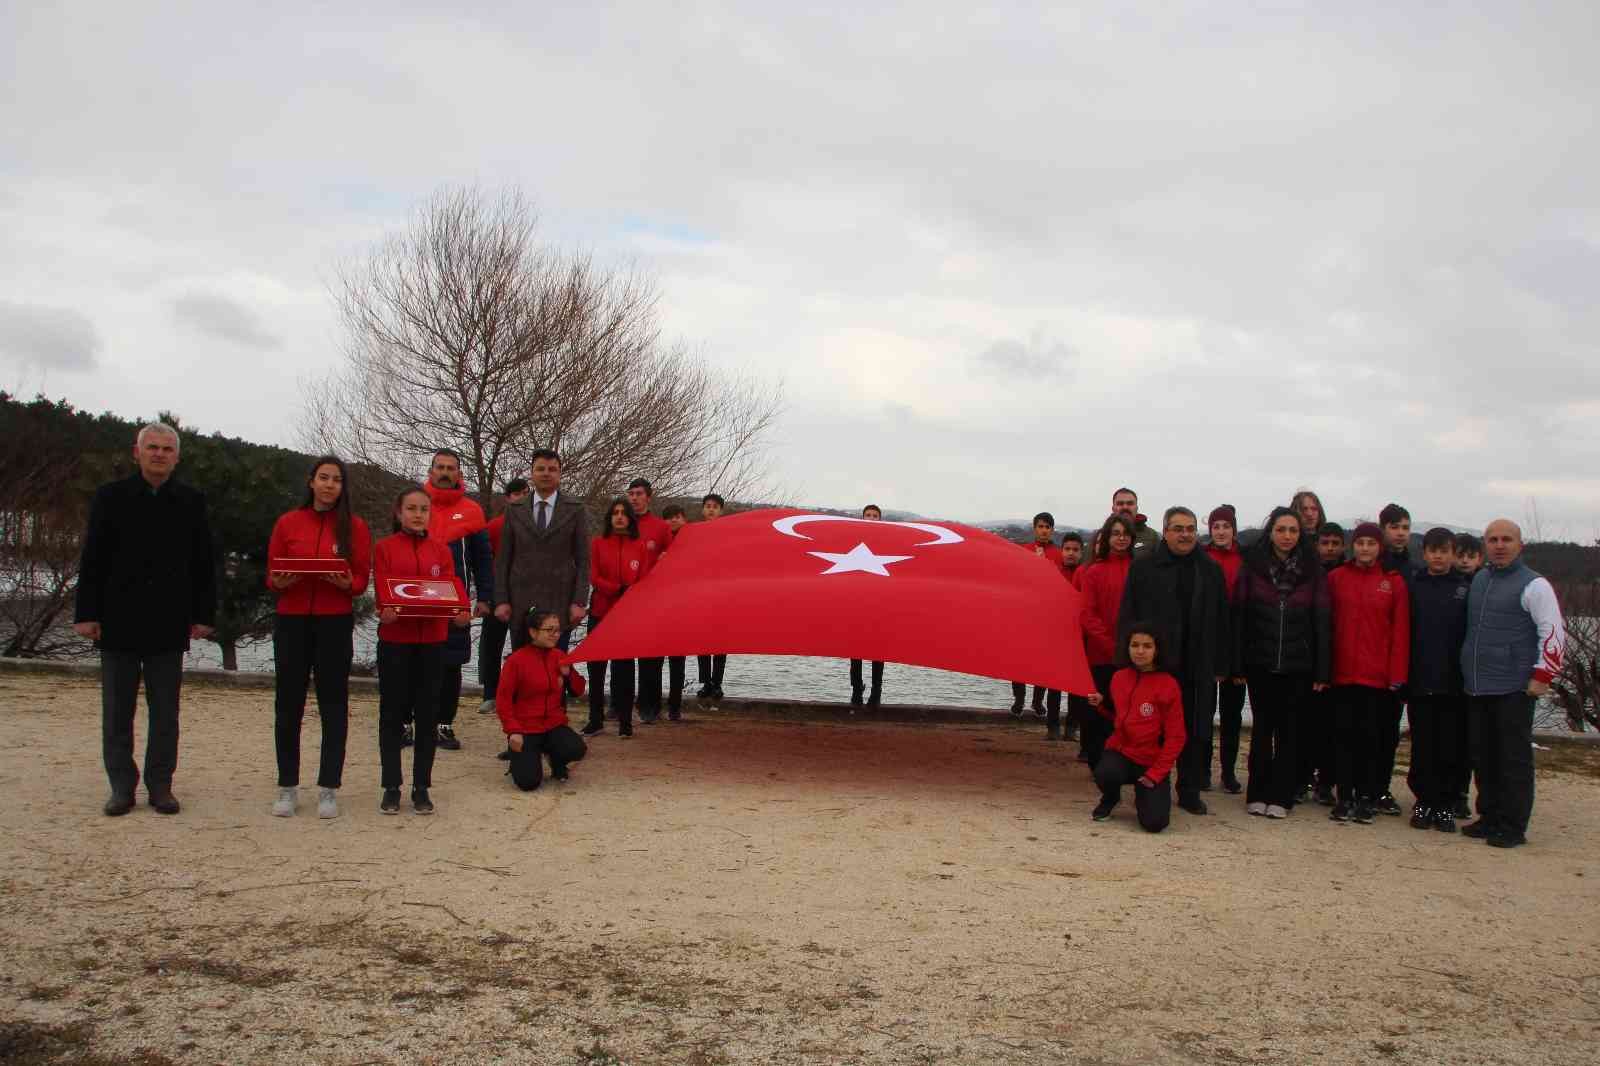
[786,582]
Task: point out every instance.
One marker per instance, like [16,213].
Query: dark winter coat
[1151,594]
[1438,628]
[1280,632]
[146,572]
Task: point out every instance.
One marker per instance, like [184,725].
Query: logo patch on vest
[1147,709]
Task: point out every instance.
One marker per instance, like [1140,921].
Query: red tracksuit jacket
[615,564]
[1049,552]
[404,555]
[654,534]
[306,533]
[1149,726]
[1100,588]
[528,699]
[1371,626]
[1230,561]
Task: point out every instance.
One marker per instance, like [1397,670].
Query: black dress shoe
[559,772]
[504,756]
[1194,805]
[164,801]
[118,804]
[1232,787]
[1482,829]
[1507,840]
[1016,709]
[592,728]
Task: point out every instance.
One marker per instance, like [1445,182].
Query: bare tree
[1577,689]
[463,331]
[41,529]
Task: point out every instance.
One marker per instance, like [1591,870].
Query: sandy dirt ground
[735,889]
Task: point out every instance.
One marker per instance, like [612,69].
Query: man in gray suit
[543,559]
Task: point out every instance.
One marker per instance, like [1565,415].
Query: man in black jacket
[1180,591]
[146,586]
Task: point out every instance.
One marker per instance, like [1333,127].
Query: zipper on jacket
[1283,605]
[311,602]
[1477,638]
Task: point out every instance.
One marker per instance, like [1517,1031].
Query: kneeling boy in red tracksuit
[1371,660]
[1146,738]
[529,703]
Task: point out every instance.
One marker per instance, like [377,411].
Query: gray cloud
[218,316]
[50,338]
[1035,359]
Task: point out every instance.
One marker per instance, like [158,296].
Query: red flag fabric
[788,582]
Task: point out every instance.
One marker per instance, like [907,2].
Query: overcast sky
[1003,261]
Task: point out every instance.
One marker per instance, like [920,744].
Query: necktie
[542,508]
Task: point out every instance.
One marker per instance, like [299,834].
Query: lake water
[777,677]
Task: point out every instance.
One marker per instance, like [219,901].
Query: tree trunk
[230,655]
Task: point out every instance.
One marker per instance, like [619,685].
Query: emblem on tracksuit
[1147,709]
[435,571]
[1383,586]
[633,563]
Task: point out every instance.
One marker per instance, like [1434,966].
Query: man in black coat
[1180,590]
[146,586]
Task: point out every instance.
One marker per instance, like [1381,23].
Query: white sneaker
[1255,808]
[1275,811]
[284,807]
[486,707]
[328,803]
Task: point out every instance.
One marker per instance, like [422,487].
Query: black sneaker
[118,804]
[407,737]
[716,692]
[1444,821]
[1194,805]
[560,772]
[1507,840]
[1231,786]
[1482,829]
[1039,711]
[592,728]
[504,756]
[447,739]
[1016,709]
[1463,808]
[1341,813]
[420,801]
[390,804]
[1385,804]
[625,732]
[1102,810]
[1363,814]
[1421,817]
[704,691]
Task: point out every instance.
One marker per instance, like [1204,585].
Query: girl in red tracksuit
[1100,596]
[411,650]
[314,626]
[529,702]
[618,560]
[1371,657]
[1147,737]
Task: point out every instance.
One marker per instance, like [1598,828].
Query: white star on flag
[858,560]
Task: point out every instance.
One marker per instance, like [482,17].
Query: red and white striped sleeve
[1539,600]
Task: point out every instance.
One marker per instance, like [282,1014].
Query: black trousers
[1278,703]
[621,671]
[1020,690]
[409,676]
[1356,711]
[120,673]
[491,653]
[1152,805]
[1230,709]
[1199,708]
[1502,755]
[1388,738]
[708,669]
[675,670]
[1095,728]
[1314,741]
[856,687]
[649,687]
[304,645]
[560,745]
[1436,751]
[449,693]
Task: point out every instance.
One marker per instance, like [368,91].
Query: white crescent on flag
[789,527]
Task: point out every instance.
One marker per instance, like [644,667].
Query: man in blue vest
[1515,640]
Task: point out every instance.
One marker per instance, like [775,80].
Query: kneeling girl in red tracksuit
[1146,737]
[411,650]
[529,702]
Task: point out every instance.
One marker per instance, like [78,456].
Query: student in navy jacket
[1438,704]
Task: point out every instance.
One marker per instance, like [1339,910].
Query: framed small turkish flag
[309,566]
[416,597]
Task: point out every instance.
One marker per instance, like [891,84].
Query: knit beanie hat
[1367,529]
[1224,513]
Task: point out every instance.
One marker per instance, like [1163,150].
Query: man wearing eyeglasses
[1180,590]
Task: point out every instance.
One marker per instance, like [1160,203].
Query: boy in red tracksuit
[530,705]
[1043,546]
[411,650]
[1371,659]
[1146,739]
